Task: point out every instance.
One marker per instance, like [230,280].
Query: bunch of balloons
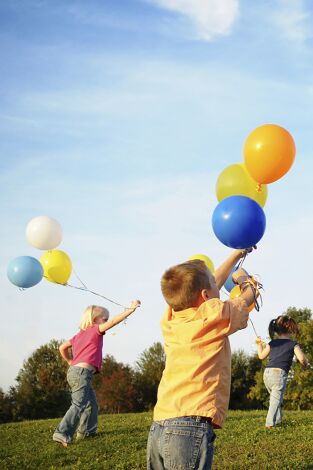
[44,233]
[239,221]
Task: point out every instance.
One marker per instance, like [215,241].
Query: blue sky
[116,119]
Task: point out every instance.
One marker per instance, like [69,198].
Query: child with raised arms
[281,350]
[194,391]
[86,360]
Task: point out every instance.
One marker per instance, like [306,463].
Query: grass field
[244,443]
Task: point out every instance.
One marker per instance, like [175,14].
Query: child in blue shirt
[281,350]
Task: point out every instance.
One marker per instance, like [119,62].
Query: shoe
[61,441]
[269,427]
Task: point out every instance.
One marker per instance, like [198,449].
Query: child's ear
[205,294]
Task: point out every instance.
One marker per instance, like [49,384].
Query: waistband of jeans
[81,370]
[191,418]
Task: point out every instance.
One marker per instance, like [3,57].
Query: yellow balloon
[236,292]
[206,259]
[57,266]
[235,180]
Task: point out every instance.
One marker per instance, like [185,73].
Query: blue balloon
[25,271]
[229,284]
[239,222]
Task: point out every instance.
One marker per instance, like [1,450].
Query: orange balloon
[236,292]
[269,152]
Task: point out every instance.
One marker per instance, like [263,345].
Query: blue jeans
[275,381]
[83,412]
[180,443]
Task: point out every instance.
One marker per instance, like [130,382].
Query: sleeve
[236,312]
[98,332]
[72,339]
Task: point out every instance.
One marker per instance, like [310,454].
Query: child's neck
[283,336]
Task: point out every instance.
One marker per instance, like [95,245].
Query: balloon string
[247,251]
[239,265]
[84,285]
[253,327]
[91,292]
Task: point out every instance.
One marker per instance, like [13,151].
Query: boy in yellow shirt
[194,391]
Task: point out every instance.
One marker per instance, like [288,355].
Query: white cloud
[292,20]
[210,18]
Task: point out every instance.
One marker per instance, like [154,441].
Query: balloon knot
[259,187]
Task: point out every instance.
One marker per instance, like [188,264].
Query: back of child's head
[182,284]
[283,324]
[90,315]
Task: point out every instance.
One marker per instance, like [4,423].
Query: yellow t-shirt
[197,374]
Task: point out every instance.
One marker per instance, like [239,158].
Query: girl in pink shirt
[86,360]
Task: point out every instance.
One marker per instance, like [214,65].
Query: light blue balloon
[25,271]
[229,284]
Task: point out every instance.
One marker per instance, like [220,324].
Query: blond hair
[90,314]
[182,284]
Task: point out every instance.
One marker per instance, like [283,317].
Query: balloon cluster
[44,233]
[239,221]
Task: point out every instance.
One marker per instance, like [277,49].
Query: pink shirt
[87,347]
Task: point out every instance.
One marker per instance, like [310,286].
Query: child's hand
[258,340]
[135,304]
[239,276]
[248,250]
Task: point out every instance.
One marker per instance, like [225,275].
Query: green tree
[243,371]
[299,394]
[6,407]
[115,388]
[41,390]
[148,373]
[258,392]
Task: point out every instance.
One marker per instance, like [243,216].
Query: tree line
[41,389]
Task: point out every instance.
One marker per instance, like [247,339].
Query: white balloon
[44,233]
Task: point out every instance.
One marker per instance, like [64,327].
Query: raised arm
[248,291]
[263,349]
[119,318]
[222,273]
[300,356]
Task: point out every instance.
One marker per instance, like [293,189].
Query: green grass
[243,443]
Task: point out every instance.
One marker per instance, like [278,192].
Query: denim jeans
[275,381]
[180,443]
[83,412]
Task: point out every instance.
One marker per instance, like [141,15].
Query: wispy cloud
[292,19]
[210,18]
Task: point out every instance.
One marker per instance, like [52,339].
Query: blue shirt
[281,353]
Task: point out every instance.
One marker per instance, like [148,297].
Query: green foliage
[148,373]
[115,387]
[243,371]
[258,391]
[299,394]
[243,444]
[6,407]
[300,315]
[41,390]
